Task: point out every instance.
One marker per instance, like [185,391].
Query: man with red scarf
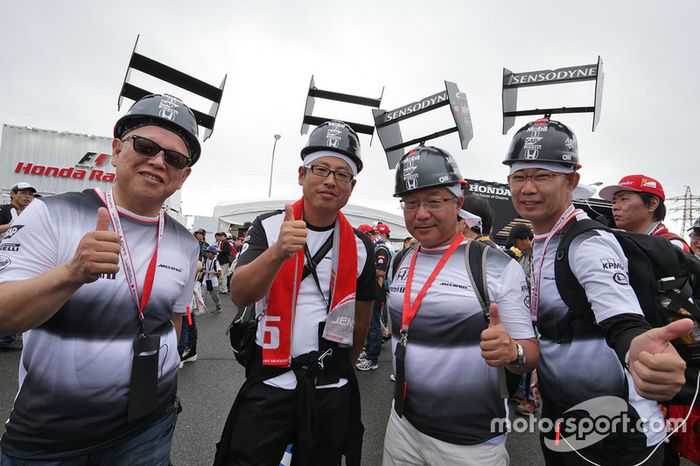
[312,278]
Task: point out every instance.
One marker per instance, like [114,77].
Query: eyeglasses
[147,148]
[430,204]
[539,179]
[323,172]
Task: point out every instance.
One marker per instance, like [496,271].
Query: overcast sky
[62,64]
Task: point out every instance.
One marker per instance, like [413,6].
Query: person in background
[481,207]
[210,277]
[695,237]
[21,195]
[638,206]
[225,257]
[201,234]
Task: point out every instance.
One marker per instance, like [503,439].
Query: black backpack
[665,280]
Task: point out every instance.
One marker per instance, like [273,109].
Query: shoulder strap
[475,261]
[570,290]
[310,266]
[396,262]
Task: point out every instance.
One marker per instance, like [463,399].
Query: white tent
[237,213]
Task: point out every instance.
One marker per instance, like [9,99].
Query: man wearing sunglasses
[312,278]
[587,366]
[101,306]
[449,353]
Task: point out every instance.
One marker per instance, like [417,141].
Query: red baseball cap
[635,183]
[382,228]
[365,228]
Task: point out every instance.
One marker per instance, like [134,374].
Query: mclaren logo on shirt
[169,267]
[12,231]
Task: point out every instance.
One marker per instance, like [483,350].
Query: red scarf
[284,292]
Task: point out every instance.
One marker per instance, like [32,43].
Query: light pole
[272,164]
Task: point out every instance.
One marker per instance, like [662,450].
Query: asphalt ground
[208,386]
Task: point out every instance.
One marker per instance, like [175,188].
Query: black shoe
[189,355]
[11,347]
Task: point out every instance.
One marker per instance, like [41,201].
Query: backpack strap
[475,261]
[570,290]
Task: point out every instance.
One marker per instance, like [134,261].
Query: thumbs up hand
[657,369]
[97,252]
[292,235]
[497,347]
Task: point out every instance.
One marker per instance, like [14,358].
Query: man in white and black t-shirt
[595,367]
[449,354]
[98,373]
[312,276]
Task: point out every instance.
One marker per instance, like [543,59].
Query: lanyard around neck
[536,274]
[126,261]
[410,310]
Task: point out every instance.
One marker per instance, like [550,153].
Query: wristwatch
[521,359]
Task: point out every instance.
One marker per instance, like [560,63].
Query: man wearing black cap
[312,278]
[21,195]
[519,246]
[102,305]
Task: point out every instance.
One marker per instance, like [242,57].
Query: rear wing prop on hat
[512,81]
[178,78]
[315,92]
[390,134]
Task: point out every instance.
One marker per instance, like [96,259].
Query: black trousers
[607,452]
[265,424]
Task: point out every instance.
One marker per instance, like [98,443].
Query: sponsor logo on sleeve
[611,263]
[621,279]
[9,247]
[4,262]
[12,231]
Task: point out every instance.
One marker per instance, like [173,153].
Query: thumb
[288,212]
[671,331]
[495,319]
[103,221]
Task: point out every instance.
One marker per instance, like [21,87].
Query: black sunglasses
[147,148]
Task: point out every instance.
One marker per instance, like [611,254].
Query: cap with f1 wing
[513,81]
[387,122]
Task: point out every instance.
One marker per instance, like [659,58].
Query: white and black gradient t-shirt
[453,395]
[75,368]
[311,306]
[586,368]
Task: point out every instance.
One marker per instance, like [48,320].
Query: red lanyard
[410,311]
[536,278]
[126,261]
